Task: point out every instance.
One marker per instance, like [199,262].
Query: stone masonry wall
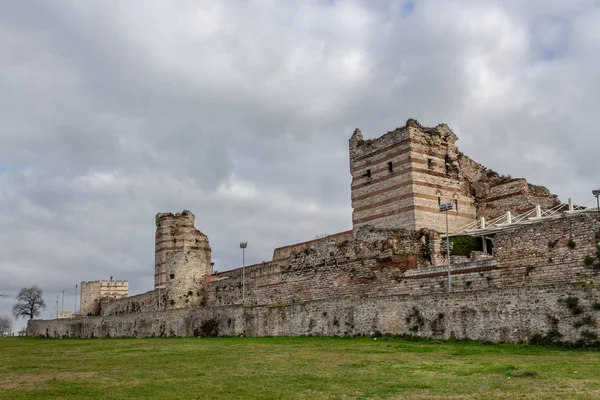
[515,195]
[90,298]
[141,303]
[557,244]
[114,289]
[372,264]
[500,315]
[182,281]
[496,194]
[389,262]
[284,252]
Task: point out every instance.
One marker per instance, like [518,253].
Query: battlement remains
[169,219]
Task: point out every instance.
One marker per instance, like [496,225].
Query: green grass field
[291,368]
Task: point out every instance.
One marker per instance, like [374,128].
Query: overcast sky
[241,112]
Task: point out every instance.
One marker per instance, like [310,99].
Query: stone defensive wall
[396,262]
[512,314]
[141,303]
[516,195]
[286,251]
[543,279]
[373,263]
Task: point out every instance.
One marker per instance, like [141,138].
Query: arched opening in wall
[430,163]
[439,196]
[390,167]
[368,173]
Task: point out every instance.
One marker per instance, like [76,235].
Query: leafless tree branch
[29,303]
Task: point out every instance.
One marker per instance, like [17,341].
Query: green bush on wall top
[464,245]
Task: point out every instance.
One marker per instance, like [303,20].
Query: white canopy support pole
[570,204]
[538,211]
[508,217]
[482,222]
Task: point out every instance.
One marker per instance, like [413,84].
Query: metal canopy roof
[509,221]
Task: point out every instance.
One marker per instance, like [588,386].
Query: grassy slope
[291,368]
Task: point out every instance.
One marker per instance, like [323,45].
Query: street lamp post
[62,308]
[596,193]
[243,246]
[75,305]
[446,207]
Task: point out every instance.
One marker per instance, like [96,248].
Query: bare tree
[5,326]
[29,303]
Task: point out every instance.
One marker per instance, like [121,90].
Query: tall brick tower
[399,179]
[182,258]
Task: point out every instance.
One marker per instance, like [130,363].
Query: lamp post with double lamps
[447,206]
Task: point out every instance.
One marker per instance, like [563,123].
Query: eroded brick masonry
[387,275]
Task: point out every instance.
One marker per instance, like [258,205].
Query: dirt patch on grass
[31,381]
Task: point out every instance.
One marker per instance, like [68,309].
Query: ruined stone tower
[182,258]
[400,179]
